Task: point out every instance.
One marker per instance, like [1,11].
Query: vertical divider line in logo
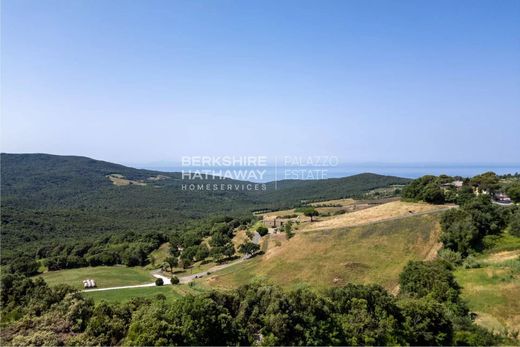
[275,172]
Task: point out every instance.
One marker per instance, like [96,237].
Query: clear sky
[367,81]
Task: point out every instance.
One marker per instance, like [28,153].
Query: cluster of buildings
[498,197]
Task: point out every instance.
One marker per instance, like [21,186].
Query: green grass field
[374,253]
[123,295]
[105,276]
[493,290]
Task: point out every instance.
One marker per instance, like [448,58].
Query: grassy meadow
[158,256]
[123,295]
[492,290]
[374,253]
[105,276]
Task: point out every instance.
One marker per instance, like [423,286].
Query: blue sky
[367,81]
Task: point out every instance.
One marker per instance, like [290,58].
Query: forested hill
[67,196]
[43,180]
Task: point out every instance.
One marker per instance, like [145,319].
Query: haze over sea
[409,170]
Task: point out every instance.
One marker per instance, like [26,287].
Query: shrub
[514,225]
[159,282]
[175,280]
[262,230]
[452,257]
[470,263]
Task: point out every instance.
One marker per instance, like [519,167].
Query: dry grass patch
[367,254]
[120,180]
[388,211]
[239,238]
[338,202]
[502,256]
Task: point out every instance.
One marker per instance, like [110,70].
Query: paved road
[256,238]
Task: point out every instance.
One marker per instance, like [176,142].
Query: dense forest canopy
[48,199]
[428,311]
[66,212]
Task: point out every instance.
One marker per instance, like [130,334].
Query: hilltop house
[455,184]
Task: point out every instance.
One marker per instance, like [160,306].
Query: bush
[514,225]
[159,282]
[452,257]
[429,279]
[262,230]
[470,263]
[175,280]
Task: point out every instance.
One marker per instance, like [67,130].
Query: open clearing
[493,290]
[383,212]
[105,276]
[123,295]
[120,180]
[160,254]
[374,253]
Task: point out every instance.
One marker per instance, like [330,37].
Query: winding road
[166,280]
[184,279]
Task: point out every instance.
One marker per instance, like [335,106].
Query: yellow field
[120,180]
[383,212]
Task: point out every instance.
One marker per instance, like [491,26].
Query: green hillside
[373,253]
[47,197]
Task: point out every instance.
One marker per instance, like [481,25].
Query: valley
[429,247]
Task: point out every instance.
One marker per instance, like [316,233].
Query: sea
[276,173]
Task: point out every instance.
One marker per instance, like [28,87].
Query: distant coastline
[401,170]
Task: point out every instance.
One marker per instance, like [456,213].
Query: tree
[514,192]
[175,280]
[202,252]
[288,230]
[172,262]
[24,265]
[425,323]
[486,216]
[249,248]
[311,212]
[433,279]
[487,181]
[459,232]
[218,240]
[433,194]
[514,224]
[465,195]
[185,263]
[217,253]
[229,249]
[262,230]
[159,282]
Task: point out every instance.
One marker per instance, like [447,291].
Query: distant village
[497,197]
